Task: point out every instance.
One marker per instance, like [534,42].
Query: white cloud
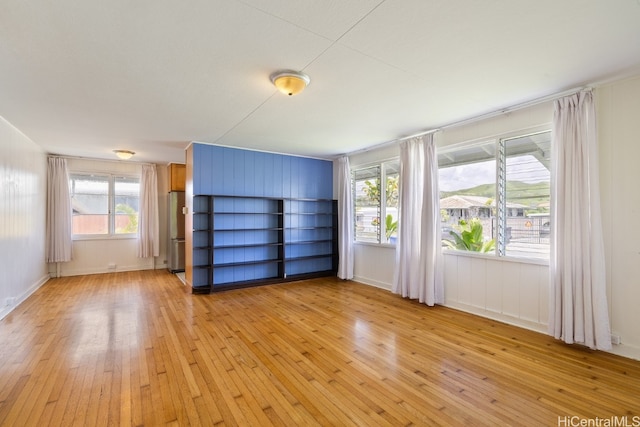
[467,176]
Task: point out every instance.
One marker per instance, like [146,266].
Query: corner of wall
[627,351]
[4,311]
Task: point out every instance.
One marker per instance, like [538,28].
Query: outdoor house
[521,226]
[460,207]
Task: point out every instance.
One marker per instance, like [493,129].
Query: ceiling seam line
[249,114]
[335,42]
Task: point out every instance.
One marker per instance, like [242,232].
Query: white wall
[92,256]
[511,291]
[517,292]
[22,217]
[619,137]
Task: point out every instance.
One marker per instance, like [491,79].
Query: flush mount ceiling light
[290,82]
[124,154]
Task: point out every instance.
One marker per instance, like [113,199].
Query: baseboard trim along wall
[10,304]
[621,349]
[118,269]
[372,282]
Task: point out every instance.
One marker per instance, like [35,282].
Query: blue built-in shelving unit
[260,218]
[309,236]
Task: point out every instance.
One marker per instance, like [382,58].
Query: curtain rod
[98,160]
[484,116]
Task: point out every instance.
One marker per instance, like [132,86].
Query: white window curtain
[345,220]
[418,272]
[59,228]
[148,227]
[578,302]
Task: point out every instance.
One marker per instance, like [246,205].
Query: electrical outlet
[111,266]
[9,302]
[615,339]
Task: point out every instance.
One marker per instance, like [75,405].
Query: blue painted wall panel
[325,188]
[226,158]
[258,173]
[311,181]
[287,176]
[249,163]
[197,169]
[277,173]
[217,172]
[298,175]
[208,159]
[270,175]
[306,179]
[238,172]
[234,172]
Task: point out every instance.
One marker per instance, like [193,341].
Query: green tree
[391,226]
[132,225]
[372,190]
[469,237]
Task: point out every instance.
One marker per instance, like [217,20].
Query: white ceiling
[85,77]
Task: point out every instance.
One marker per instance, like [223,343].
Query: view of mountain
[531,195]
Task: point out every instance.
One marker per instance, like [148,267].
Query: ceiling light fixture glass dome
[290,82]
[124,154]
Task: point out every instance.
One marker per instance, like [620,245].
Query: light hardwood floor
[138,348]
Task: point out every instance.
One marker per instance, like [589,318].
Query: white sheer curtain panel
[59,231]
[418,272]
[345,220]
[578,301]
[148,227]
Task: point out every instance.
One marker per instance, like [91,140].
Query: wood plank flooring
[138,348]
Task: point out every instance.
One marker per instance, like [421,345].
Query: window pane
[467,179]
[392,171]
[527,192]
[90,203]
[127,198]
[367,200]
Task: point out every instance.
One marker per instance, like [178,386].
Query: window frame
[500,157]
[111,205]
[382,208]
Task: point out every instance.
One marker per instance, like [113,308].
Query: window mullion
[354,218]
[383,204]
[501,196]
[112,206]
[379,207]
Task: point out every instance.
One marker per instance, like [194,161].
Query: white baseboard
[510,320]
[119,269]
[372,282]
[623,350]
[19,299]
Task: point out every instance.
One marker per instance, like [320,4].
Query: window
[104,204]
[495,196]
[374,202]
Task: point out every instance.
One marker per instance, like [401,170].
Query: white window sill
[377,245]
[105,237]
[468,254]
[493,257]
